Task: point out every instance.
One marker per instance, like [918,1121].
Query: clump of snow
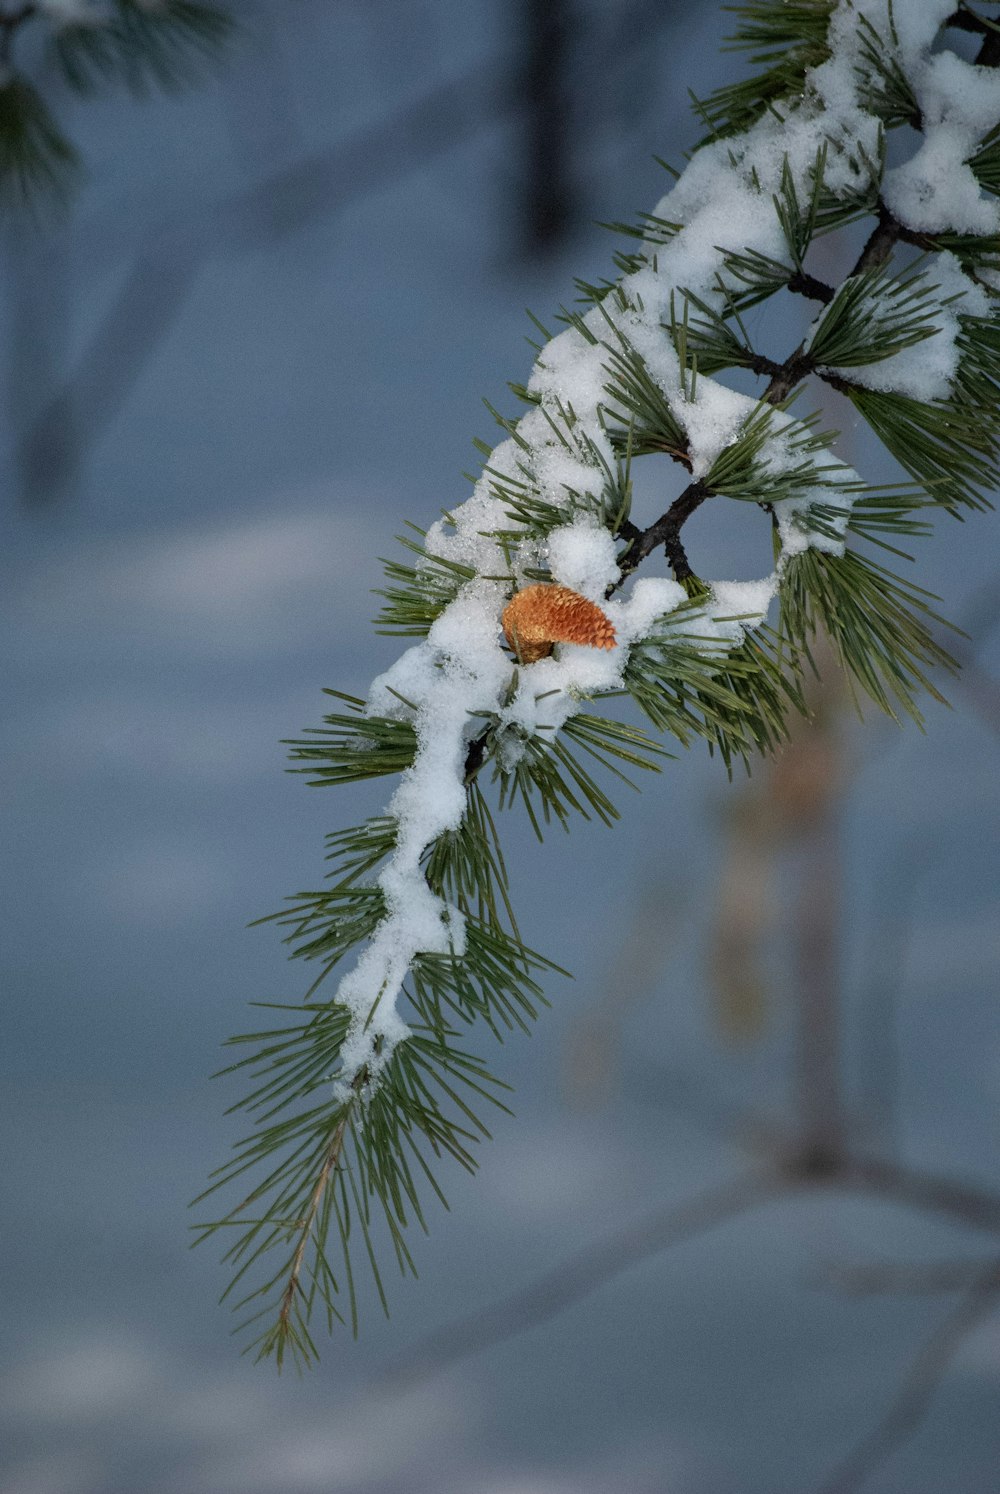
[463,537]
[713,419]
[797,529]
[735,608]
[571,369]
[926,370]
[916,22]
[651,598]
[936,190]
[460,668]
[957,288]
[582,556]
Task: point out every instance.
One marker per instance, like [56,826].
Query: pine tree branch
[807,285]
[665,531]
[633,377]
[784,378]
[881,242]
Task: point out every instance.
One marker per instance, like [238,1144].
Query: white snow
[794,528]
[959,103]
[582,556]
[926,370]
[713,420]
[736,607]
[935,190]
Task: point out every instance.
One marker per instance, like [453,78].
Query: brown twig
[813,289]
[583,1274]
[305,1224]
[926,1278]
[918,1386]
[881,242]
[666,531]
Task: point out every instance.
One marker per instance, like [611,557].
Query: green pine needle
[36,159]
[879,625]
[165,46]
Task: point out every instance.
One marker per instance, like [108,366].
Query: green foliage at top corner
[36,159]
[159,44]
[143,47]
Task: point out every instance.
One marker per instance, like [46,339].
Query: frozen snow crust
[561,453]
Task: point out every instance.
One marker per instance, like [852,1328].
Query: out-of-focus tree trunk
[548,200]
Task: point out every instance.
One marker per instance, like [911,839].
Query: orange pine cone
[539,616]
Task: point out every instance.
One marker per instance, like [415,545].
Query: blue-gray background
[259,344]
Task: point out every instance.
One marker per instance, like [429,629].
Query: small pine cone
[539,616]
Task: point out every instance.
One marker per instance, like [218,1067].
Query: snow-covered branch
[420,899]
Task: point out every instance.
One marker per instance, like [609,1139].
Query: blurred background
[254,345]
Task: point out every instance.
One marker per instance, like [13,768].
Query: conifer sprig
[345,1148]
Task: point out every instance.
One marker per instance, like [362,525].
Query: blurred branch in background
[578,1276]
[550,125]
[913,1399]
[561,55]
[592,1069]
[166,266]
